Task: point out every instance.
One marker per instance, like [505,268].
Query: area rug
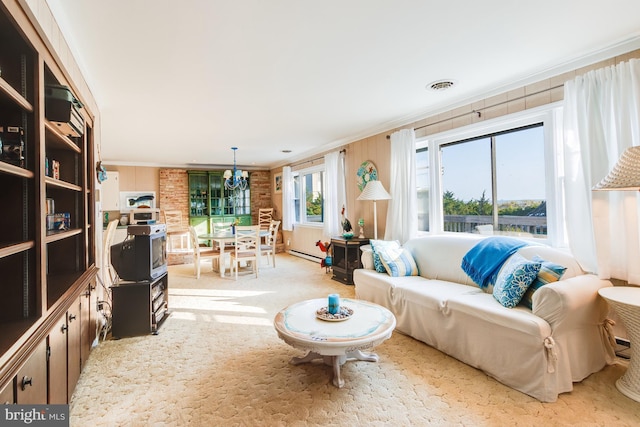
[217,361]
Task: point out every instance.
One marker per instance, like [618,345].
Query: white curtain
[288,208]
[601,120]
[335,194]
[402,214]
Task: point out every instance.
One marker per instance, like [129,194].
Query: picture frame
[277,183]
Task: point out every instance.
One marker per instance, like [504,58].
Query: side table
[346,257]
[139,308]
[626,301]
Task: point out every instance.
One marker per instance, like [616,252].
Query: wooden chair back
[265,215]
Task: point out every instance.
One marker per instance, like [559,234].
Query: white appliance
[144,216]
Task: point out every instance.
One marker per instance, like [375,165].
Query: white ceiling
[179,83]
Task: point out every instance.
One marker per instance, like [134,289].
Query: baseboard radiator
[303,242]
[305,256]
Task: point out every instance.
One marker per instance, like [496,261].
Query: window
[309,203]
[492,184]
[496,178]
[422,183]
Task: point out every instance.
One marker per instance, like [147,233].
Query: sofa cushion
[397,261]
[485,310]
[377,245]
[367,257]
[514,279]
[438,256]
[549,272]
[555,255]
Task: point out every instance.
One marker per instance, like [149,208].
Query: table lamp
[625,175]
[374,190]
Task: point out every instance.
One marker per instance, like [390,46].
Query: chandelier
[236,179]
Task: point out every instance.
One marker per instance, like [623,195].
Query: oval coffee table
[334,342]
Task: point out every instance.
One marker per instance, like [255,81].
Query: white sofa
[540,352]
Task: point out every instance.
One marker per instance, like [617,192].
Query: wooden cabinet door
[87,324]
[6,394]
[74,345]
[32,378]
[111,192]
[58,362]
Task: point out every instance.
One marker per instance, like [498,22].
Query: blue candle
[334,303]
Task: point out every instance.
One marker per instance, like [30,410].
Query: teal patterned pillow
[376,246]
[549,272]
[398,261]
[514,280]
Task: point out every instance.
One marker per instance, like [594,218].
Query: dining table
[224,237]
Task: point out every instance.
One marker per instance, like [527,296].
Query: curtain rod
[344,150]
[479,110]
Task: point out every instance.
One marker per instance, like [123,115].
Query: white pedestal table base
[336,362]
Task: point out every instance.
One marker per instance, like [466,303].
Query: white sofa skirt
[512,345]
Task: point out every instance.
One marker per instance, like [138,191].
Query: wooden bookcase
[47,276]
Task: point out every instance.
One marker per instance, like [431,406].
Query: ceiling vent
[440,85]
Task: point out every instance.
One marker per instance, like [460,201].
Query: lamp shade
[625,175]
[374,190]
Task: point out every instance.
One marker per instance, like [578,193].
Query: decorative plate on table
[366,172]
[343,314]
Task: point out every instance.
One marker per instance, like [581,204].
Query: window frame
[302,218]
[550,116]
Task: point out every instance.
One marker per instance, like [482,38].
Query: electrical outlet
[100,306]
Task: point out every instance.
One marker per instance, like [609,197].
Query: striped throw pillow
[376,247]
[549,272]
[398,261]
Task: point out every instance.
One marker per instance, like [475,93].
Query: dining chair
[268,248]
[110,272]
[265,215]
[175,229]
[200,253]
[246,248]
[222,228]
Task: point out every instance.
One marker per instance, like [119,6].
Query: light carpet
[217,361]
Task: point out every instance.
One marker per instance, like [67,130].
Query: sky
[520,164]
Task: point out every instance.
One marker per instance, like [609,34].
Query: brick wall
[174,191]
[174,195]
[260,193]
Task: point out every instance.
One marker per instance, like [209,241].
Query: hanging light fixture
[236,179]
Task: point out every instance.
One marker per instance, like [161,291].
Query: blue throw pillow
[514,279]
[376,246]
[549,272]
[398,261]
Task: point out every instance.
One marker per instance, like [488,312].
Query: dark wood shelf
[61,184]
[59,140]
[14,95]
[15,248]
[54,236]
[15,170]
